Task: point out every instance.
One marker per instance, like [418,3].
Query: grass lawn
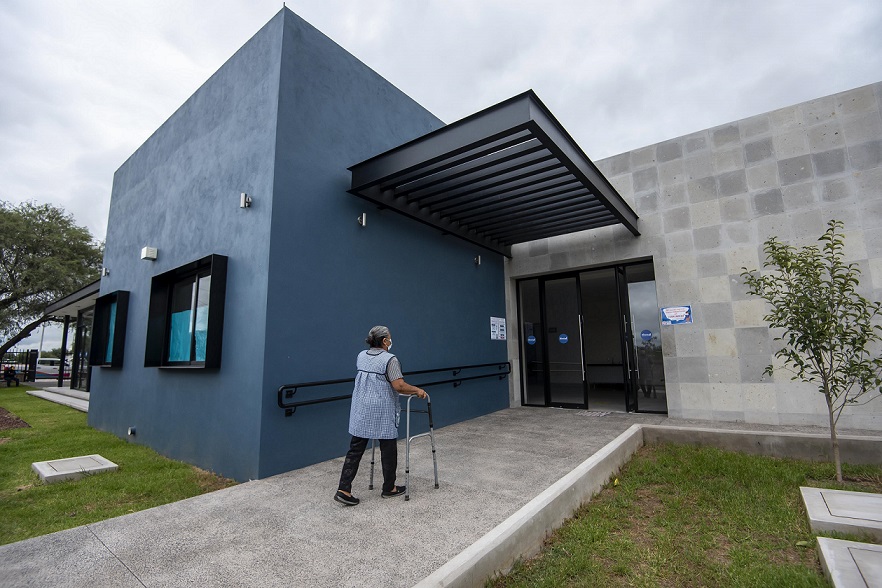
[686,516]
[29,508]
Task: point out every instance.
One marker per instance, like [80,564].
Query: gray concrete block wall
[707,201]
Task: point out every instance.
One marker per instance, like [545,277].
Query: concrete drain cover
[72,468]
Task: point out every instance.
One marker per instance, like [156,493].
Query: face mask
[390,346]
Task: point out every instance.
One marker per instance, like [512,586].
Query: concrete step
[77,403]
[67,391]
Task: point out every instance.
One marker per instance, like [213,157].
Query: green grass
[29,508]
[687,516]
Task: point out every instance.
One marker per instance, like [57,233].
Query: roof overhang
[505,175]
[71,304]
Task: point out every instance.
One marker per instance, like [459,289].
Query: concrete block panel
[702,190]
[624,184]
[790,144]
[705,214]
[753,340]
[678,292]
[723,369]
[739,233]
[714,289]
[866,155]
[668,151]
[758,151]
[727,399]
[773,225]
[673,196]
[692,370]
[795,169]
[647,203]
[829,163]
[617,164]
[862,128]
[696,143]
[676,219]
[837,190]
[810,224]
[690,341]
[763,176]
[856,101]
[645,179]
[726,135]
[826,136]
[679,243]
[800,196]
[734,208]
[700,165]
[642,157]
[683,268]
[756,125]
[671,172]
[875,273]
[868,184]
[721,343]
[761,417]
[749,313]
[731,183]
[728,159]
[707,238]
[786,118]
[714,315]
[753,369]
[818,110]
[710,264]
[768,202]
[742,257]
[737,288]
[760,397]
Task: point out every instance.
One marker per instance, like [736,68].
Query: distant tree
[44,256]
[55,352]
[830,335]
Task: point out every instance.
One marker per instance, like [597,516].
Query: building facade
[297,199]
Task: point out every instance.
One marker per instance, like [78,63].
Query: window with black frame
[109,330]
[185,324]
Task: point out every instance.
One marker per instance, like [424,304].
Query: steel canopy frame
[505,175]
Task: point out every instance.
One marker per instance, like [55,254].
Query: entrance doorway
[591,340]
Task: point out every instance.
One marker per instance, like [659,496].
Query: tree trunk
[833,439]
[24,333]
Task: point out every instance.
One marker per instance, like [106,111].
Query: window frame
[159,317]
[101,330]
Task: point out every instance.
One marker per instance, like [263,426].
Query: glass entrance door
[591,340]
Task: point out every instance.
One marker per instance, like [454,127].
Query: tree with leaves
[44,256]
[831,335]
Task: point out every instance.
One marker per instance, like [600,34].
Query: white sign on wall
[497,328]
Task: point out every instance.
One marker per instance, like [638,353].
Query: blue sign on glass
[563,338]
[531,340]
[646,334]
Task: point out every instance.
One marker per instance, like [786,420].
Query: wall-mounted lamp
[477,260]
[149,253]
[362,220]
[244,200]
[104,271]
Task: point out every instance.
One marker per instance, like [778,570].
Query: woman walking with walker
[374,413]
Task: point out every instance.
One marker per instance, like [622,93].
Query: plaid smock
[375,409]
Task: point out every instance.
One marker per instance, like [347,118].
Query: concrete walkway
[287,531]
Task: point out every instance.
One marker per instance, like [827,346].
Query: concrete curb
[522,534]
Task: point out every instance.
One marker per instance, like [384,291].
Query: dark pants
[388,454]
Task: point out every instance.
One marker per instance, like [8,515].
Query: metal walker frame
[408,439]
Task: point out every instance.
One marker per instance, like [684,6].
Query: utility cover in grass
[72,468]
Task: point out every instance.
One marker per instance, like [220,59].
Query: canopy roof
[505,175]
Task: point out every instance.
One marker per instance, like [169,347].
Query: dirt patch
[10,421]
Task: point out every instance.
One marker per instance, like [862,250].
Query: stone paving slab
[856,513]
[77,403]
[849,564]
[72,468]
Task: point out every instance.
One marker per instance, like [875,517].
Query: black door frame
[629,365]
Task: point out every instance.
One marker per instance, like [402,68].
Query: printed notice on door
[676,315]
[497,328]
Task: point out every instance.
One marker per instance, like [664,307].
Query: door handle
[581,349]
[627,350]
[636,351]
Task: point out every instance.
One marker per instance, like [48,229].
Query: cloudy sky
[86,82]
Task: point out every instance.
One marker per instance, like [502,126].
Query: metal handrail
[288,390]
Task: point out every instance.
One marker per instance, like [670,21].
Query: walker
[408,439]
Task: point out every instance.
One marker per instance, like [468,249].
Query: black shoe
[346,499]
[396,491]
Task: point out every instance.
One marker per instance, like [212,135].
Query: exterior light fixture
[477,260]
[149,253]
[244,200]
[362,220]
[104,271]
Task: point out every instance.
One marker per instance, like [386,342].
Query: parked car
[47,367]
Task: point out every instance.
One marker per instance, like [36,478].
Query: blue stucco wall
[330,279]
[180,193]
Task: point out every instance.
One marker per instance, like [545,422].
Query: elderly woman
[374,413]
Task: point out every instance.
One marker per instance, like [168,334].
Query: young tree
[44,255]
[830,335]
